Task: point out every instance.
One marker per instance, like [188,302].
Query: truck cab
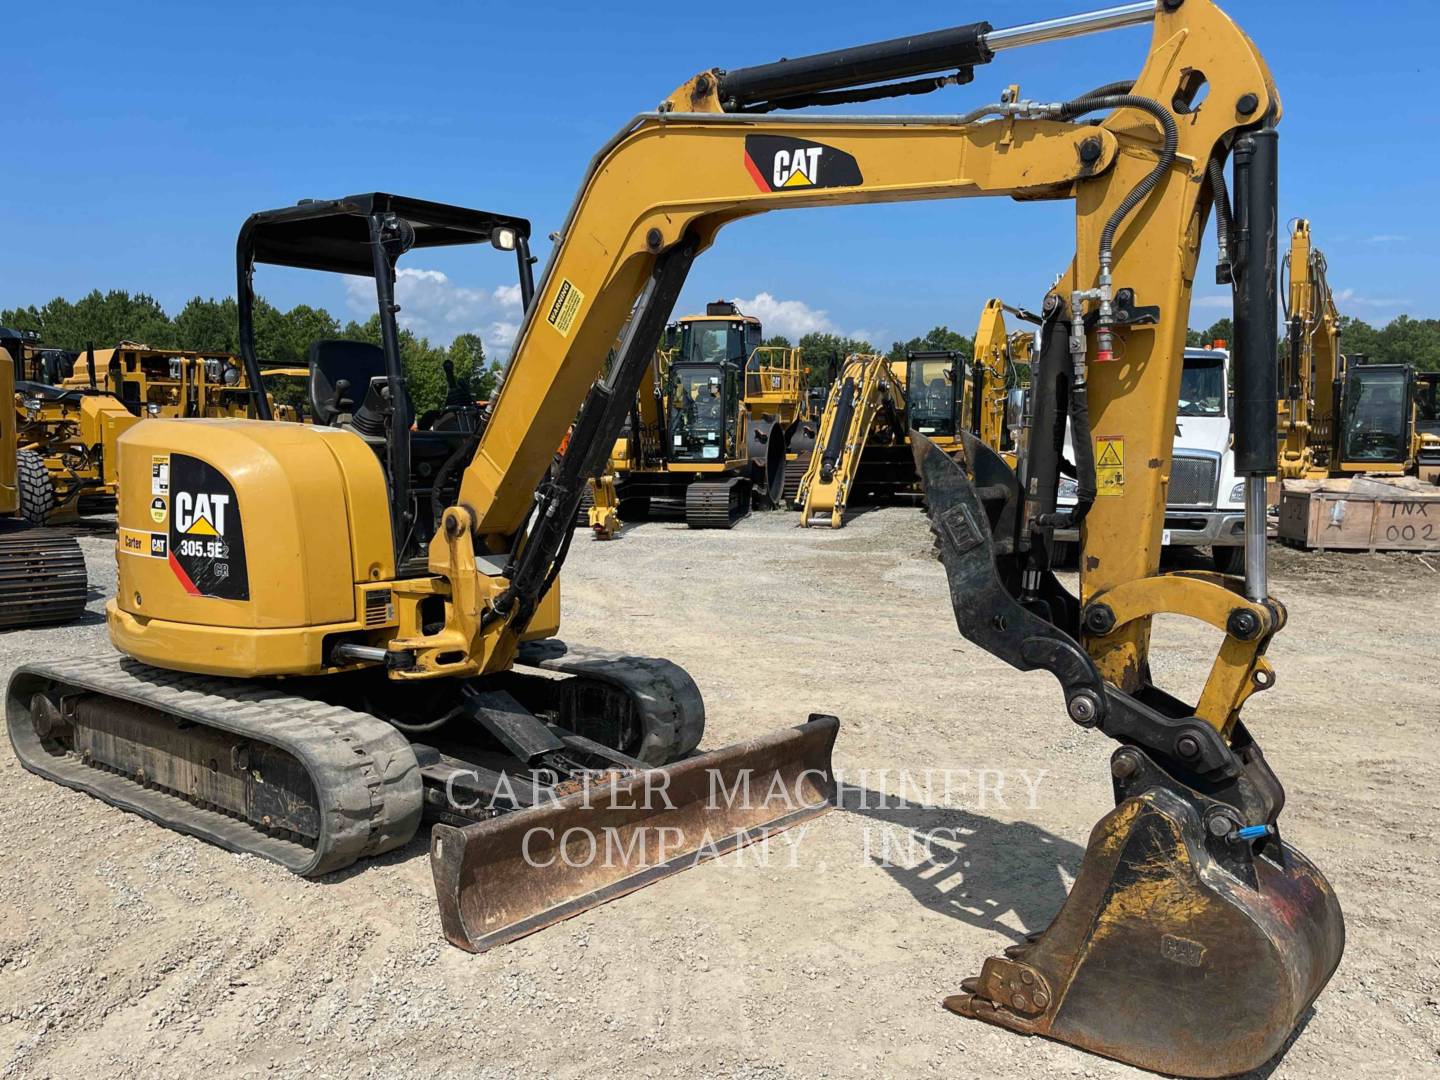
[1205,504]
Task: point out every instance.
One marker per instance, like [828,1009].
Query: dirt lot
[126,950]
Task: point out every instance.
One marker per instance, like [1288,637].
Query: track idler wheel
[1178,950]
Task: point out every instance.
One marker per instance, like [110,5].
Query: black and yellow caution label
[1109,465]
[565,307]
[158,509]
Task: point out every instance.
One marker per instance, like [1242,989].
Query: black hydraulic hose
[1224,221]
[1072,109]
[1086,486]
[442,476]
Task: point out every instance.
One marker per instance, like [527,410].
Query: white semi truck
[1205,506]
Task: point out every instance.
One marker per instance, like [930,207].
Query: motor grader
[72,425]
[42,572]
[404,581]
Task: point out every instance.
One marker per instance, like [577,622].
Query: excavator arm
[659,192]
[1313,365]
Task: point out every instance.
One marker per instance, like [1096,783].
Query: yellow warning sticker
[565,307]
[1109,465]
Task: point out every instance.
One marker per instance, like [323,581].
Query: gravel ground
[126,950]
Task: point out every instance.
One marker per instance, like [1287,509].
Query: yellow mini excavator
[404,579]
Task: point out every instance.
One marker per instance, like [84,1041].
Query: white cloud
[1350,296]
[793,318]
[1219,300]
[432,306]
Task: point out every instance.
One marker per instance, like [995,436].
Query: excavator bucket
[1164,956]
[508,876]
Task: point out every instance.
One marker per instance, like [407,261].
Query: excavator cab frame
[936,412]
[366,235]
[1376,424]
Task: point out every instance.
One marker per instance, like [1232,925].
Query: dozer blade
[508,876]
[1176,951]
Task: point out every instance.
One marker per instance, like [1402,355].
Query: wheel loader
[43,579]
[341,630]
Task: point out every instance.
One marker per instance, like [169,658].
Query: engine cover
[243,544]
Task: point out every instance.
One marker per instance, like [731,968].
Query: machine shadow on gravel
[965,865]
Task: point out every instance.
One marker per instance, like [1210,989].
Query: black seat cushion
[356,362]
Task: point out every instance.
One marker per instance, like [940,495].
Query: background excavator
[1343,416]
[405,579]
[863,431]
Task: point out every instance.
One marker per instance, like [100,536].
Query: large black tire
[1229,560]
[37,490]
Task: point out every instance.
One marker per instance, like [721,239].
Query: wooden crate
[1361,520]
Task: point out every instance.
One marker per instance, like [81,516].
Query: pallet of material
[1361,514]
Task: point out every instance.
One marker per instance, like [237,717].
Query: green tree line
[281,337]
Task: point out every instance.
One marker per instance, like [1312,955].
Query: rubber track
[42,579]
[366,779]
[672,710]
[712,505]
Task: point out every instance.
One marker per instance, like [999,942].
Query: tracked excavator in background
[1342,416]
[864,429]
[717,428]
[405,581]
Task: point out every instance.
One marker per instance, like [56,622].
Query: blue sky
[140,135]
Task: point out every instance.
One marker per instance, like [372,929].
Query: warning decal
[1109,465]
[565,307]
[207,544]
[160,475]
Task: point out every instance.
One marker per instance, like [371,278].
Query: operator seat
[334,361]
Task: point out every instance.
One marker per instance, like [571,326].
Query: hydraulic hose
[1215,169]
[1093,103]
